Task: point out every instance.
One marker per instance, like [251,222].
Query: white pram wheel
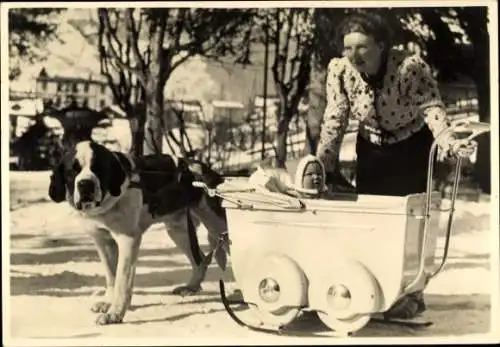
[343,327]
[345,298]
[276,319]
[278,288]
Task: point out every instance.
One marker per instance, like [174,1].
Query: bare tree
[182,141]
[162,39]
[291,40]
[127,91]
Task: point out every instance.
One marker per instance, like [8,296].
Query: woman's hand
[454,146]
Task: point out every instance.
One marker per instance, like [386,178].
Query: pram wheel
[345,298]
[276,288]
[276,319]
[344,327]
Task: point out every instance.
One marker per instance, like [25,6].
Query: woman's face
[364,53]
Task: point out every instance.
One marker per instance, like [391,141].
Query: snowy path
[55,270]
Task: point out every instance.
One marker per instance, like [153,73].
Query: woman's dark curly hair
[367,23]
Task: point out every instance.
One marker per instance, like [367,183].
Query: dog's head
[87,174]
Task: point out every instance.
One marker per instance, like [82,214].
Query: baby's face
[313,176]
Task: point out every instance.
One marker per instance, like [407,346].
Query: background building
[62,91]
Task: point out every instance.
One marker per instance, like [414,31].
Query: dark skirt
[397,169]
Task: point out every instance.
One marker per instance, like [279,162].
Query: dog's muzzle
[87,193]
[87,190]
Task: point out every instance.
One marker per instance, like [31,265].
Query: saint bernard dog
[125,196]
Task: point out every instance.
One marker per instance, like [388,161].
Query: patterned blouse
[408,98]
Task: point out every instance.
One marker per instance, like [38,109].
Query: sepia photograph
[248,173]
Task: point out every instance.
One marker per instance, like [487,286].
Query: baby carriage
[293,254]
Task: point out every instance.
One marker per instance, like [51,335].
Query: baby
[309,178]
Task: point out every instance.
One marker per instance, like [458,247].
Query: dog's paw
[187,290]
[109,318]
[100,307]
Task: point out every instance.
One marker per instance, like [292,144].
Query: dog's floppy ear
[57,187]
[117,176]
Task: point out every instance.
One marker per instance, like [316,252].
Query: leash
[193,239]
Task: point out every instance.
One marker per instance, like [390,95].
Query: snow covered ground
[54,272]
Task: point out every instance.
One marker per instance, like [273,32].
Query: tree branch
[133,34]
[179,28]
[109,78]
[104,62]
[277,68]
[285,51]
[167,139]
[301,48]
[161,28]
[302,81]
[111,36]
[129,77]
[210,40]
[182,127]
[171,135]
[179,62]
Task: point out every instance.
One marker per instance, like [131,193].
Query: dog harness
[129,168]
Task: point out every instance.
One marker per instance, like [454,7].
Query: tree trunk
[137,122]
[153,136]
[285,117]
[153,139]
[317,104]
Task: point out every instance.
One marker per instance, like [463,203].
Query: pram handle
[474,129]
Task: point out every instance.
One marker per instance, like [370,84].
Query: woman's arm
[335,118]
[423,89]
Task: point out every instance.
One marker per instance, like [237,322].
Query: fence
[461,99]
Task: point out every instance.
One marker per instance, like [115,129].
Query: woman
[396,100]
